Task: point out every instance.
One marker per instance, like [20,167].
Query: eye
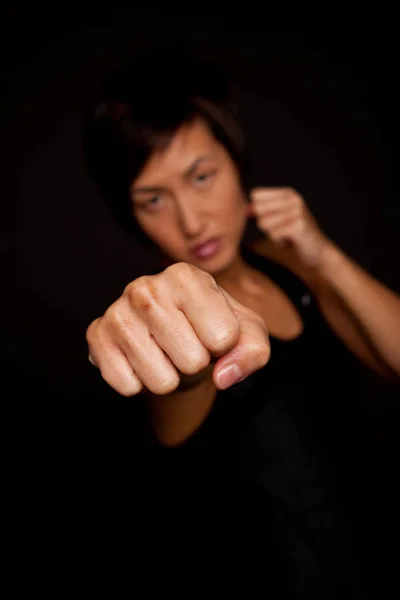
[204,178]
[153,201]
[150,204]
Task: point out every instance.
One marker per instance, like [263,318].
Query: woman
[271,445]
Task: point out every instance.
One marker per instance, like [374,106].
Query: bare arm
[354,302]
[176,416]
[178,337]
[362,312]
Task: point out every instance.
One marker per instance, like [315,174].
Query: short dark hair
[139,109]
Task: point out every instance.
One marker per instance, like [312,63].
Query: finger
[270,191]
[168,326]
[287,231]
[206,308]
[144,355]
[116,370]
[174,334]
[149,362]
[271,221]
[251,352]
[274,203]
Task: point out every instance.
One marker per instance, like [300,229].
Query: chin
[220,262]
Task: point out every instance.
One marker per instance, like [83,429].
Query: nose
[190,218]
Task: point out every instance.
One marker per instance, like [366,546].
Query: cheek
[233,202]
[151,227]
[162,232]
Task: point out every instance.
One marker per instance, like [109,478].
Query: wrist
[188,382]
[176,416]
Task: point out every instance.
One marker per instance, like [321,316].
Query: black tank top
[256,495]
[263,480]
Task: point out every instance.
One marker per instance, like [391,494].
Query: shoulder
[285,275]
[291,275]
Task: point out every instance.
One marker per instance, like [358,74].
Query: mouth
[206,249]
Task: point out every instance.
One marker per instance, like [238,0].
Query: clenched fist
[173,323]
[282,214]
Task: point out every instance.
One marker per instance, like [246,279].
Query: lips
[206,248]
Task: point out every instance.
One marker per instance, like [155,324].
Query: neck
[236,274]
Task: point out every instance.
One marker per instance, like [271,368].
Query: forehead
[191,141]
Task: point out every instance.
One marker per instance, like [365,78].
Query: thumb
[251,352]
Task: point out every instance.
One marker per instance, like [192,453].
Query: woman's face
[189,194]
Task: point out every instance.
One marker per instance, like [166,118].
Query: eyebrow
[187,173]
[196,163]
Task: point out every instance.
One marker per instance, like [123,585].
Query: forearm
[373,307]
[176,416]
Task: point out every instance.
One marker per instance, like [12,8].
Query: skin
[201,315]
[192,192]
[189,193]
[362,312]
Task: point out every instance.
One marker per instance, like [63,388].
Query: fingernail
[228,376]
[92,361]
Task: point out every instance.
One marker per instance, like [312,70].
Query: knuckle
[124,385]
[91,332]
[178,277]
[213,284]
[207,282]
[138,285]
[188,278]
[181,268]
[129,388]
[100,336]
[182,271]
[260,353]
[113,316]
[185,274]
[129,289]
[166,386]
[195,364]
[142,292]
[225,338]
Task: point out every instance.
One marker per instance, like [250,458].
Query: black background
[319,103]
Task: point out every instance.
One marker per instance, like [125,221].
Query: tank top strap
[296,290]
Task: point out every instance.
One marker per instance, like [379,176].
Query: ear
[249,210]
